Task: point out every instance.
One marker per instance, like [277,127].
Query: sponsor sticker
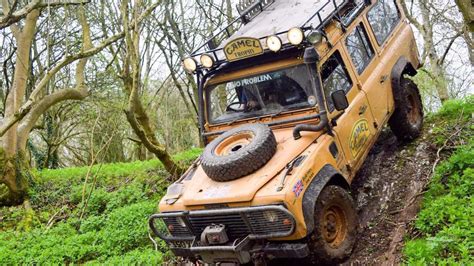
[250,81]
[242,48]
[307,177]
[298,188]
[359,137]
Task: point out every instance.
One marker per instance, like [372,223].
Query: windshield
[270,93]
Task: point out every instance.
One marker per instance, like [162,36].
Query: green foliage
[446,219]
[452,114]
[113,229]
[427,84]
[134,257]
[454,108]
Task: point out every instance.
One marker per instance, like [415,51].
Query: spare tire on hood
[238,152]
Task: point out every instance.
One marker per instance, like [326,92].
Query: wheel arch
[401,67]
[328,175]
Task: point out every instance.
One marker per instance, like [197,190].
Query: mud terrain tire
[407,120]
[335,229]
[239,152]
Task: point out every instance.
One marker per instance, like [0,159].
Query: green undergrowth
[110,229]
[444,229]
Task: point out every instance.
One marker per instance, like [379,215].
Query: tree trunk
[136,114]
[466,9]
[16,174]
[439,79]
[427,32]
[16,170]
[12,174]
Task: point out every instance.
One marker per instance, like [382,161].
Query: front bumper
[248,230]
[243,252]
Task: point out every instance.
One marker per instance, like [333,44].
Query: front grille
[178,229]
[262,226]
[256,222]
[234,224]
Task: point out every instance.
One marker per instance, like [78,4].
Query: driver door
[353,127]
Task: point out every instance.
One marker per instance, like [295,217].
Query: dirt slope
[387,191]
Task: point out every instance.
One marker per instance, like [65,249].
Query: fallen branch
[51,220]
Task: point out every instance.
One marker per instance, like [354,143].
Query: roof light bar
[295,36]
[207,60]
[274,43]
[190,65]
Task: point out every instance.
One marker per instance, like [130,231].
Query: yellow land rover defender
[292,96]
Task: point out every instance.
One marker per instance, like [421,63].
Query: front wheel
[335,229]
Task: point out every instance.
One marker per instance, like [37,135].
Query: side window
[359,48]
[335,77]
[383,17]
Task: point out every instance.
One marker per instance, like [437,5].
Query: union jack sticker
[298,188]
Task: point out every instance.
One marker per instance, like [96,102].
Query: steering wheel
[229,107]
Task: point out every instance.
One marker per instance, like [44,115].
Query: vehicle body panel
[207,191]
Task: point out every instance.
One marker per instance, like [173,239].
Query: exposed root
[26,224]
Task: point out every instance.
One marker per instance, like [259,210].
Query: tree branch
[410,17]
[14,16]
[42,106]
[451,42]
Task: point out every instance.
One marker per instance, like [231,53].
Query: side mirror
[340,100]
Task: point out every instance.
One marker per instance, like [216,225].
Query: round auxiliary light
[274,43]
[190,64]
[207,61]
[295,36]
[314,37]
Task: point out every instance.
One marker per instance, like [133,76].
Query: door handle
[383,78]
[362,109]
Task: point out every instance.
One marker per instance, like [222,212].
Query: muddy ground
[388,191]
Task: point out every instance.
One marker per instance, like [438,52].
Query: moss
[2,158]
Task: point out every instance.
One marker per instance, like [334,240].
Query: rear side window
[383,18]
[359,48]
[335,77]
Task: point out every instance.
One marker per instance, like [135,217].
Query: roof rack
[250,9]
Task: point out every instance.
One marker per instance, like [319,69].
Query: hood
[202,190]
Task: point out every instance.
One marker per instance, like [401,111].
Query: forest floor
[387,192]
[99,216]
[390,189]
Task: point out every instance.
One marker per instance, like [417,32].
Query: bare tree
[24,105]
[427,16]
[131,76]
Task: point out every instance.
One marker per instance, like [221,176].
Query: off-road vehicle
[292,96]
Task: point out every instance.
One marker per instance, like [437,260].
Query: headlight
[270,216]
[190,64]
[295,36]
[274,43]
[207,61]
[315,37]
